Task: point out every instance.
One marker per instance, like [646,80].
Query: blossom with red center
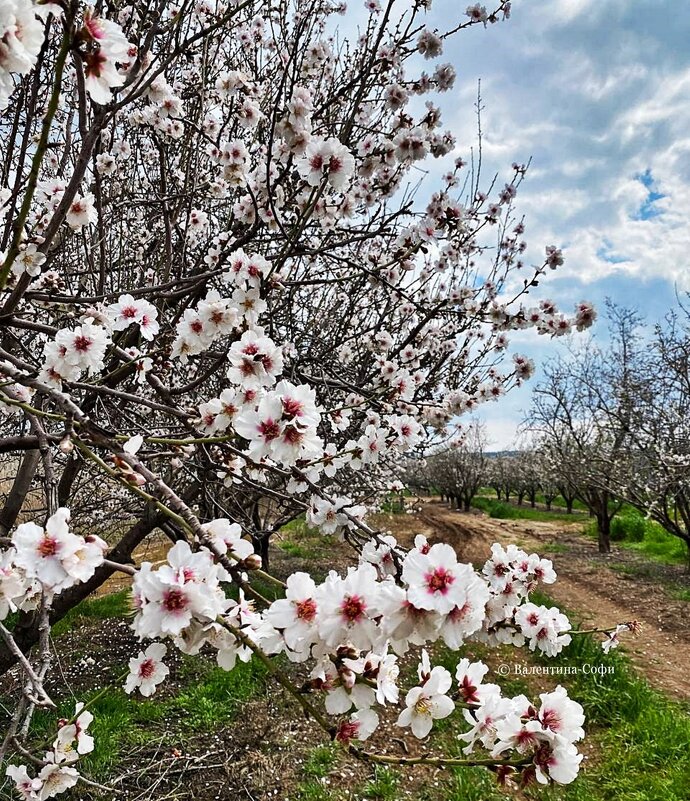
[561,715]
[175,601]
[133,311]
[359,726]
[255,361]
[48,546]
[435,579]
[52,555]
[352,608]
[147,670]
[306,610]
[178,594]
[80,349]
[439,580]
[297,613]
[285,438]
[545,628]
[108,46]
[329,159]
[348,608]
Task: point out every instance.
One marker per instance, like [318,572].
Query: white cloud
[597,93]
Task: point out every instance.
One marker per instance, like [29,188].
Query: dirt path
[588,585]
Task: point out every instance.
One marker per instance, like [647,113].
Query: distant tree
[460,468]
[584,409]
[656,477]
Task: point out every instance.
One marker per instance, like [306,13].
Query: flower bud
[66,445]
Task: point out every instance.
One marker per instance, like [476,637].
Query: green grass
[321,761]
[209,698]
[507,511]
[469,784]
[116,604]
[314,791]
[384,785]
[659,544]
[214,696]
[554,548]
[299,540]
[632,530]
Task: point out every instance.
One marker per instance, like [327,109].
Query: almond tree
[585,409]
[225,303]
[656,476]
[579,438]
[459,469]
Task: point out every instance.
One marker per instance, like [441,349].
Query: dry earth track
[588,586]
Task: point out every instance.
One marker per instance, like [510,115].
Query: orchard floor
[208,735]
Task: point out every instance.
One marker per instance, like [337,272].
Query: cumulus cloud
[598,94]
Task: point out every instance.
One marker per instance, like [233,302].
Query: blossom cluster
[57,773]
[21,37]
[50,559]
[83,348]
[355,628]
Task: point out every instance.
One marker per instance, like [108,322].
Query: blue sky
[598,95]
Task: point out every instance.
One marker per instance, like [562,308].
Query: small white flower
[147,670]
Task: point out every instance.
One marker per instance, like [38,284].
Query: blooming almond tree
[226,303]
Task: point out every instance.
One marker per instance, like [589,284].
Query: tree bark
[20,488]
[604,531]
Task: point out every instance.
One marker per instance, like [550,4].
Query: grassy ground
[629,528]
[509,511]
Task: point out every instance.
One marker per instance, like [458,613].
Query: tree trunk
[467,504]
[548,505]
[604,531]
[20,487]
[569,505]
[261,547]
